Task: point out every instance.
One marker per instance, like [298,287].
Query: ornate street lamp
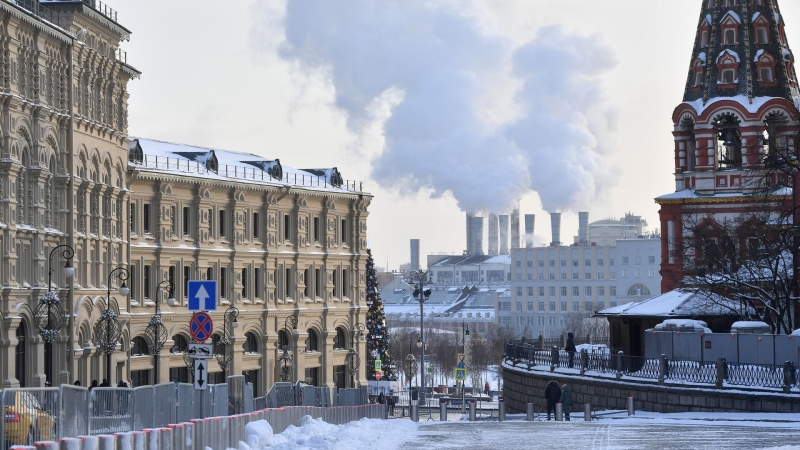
[50,316]
[225,357]
[286,358]
[156,332]
[411,362]
[421,295]
[108,329]
[352,360]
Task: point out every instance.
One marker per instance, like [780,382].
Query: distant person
[77,383]
[486,388]
[94,385]
[566,400]
[552,394]
[105,383]
[390,404]
[570,348]
[381,399]
[122,397]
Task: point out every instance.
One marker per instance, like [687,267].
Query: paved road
[610,435]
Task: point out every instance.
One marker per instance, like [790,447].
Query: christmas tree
[377,334]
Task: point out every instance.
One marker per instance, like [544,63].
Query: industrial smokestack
[477,235]
[515,242]
[583,228]
[530,219]
[470,244]
[493,235]
[503,235]
[414,254]
[555,226]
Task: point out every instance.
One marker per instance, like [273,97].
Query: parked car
[25,420]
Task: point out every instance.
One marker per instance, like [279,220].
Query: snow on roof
[680,302]
[702,56]
[760,52]
[752,108]
[756,15]
[692,194]
[163,156]
[685,324]
[729,52]
[708,19]
[749,324]
[732,14]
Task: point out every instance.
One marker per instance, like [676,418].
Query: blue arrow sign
[202,295]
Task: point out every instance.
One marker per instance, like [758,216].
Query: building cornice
[36,21]
[706,200]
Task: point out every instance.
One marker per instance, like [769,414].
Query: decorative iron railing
[718,373]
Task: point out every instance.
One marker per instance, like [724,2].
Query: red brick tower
[739,108]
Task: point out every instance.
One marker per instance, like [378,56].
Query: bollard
[501,411]
[721,375]
[631,412]
[443,412]
[46,445]
[106,442]
[22,447]
[72,443]
[473,408]
[124,441]
[559,412]
[414,411]
[553,358]
[620,364]
[587,412]
[530,410]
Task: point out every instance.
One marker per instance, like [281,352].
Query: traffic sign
[202,295]
[460,374]
[201,326]
[461,364]
[200,374]
[377,365]
[378,375]
[201,351]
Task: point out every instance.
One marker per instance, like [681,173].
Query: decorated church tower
[739,113]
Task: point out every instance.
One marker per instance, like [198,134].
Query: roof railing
[102,8]
[173,164]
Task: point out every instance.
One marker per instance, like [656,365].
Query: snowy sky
[356,87]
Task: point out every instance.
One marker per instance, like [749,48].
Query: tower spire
[741,51]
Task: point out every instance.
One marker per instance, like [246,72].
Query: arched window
[638,290]
[340,342]
[139,347]
[180,344]
[250,343]
[729,142]
[22,184]
[283,340]
[19,354]
[312,342]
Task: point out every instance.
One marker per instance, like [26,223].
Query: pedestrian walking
[570,348]
[390,403]
[381,399]
[486,388]
[566,400]
[122,398]
[552,394]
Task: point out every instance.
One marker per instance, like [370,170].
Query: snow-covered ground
[644,431]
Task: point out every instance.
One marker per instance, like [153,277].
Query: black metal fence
[604,363]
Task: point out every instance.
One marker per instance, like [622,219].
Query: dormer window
[704,39]
[765,63]
[728,66]
[698,78]
[698,72]
[761,28]
[761,36]
[730,37]
[135,153]
[705,31]
[729,26]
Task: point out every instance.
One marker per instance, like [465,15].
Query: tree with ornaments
[377,334]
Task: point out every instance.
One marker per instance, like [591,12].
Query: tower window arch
[729,142]
[312,342]
[638,290]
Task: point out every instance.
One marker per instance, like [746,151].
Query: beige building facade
[280,242]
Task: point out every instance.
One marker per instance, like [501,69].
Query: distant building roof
[677,303]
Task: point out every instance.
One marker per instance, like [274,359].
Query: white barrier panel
[46,445]
[70,443]
[106,442]
[153,438]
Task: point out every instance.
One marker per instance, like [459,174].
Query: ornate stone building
[281,242]
[63,157]
[738,118]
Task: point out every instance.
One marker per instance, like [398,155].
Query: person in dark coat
[552,394]
[381,399]
[566,400]
[486,388]
[570,348]
[77,382]
[122,398]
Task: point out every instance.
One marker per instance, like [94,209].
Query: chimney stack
[530,220]
[515,242]
[414,254]
[583,228]
[470,245]
[493,235]
[555,226]
[477,235]
[504,235]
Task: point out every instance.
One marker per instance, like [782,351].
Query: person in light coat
[566,400]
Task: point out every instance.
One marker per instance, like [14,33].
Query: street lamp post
[50,316]
[421,295]
[352,359]
[225,358]
[108,329]
[156,333]
[286,357]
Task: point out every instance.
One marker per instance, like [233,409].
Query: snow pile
[317,434]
